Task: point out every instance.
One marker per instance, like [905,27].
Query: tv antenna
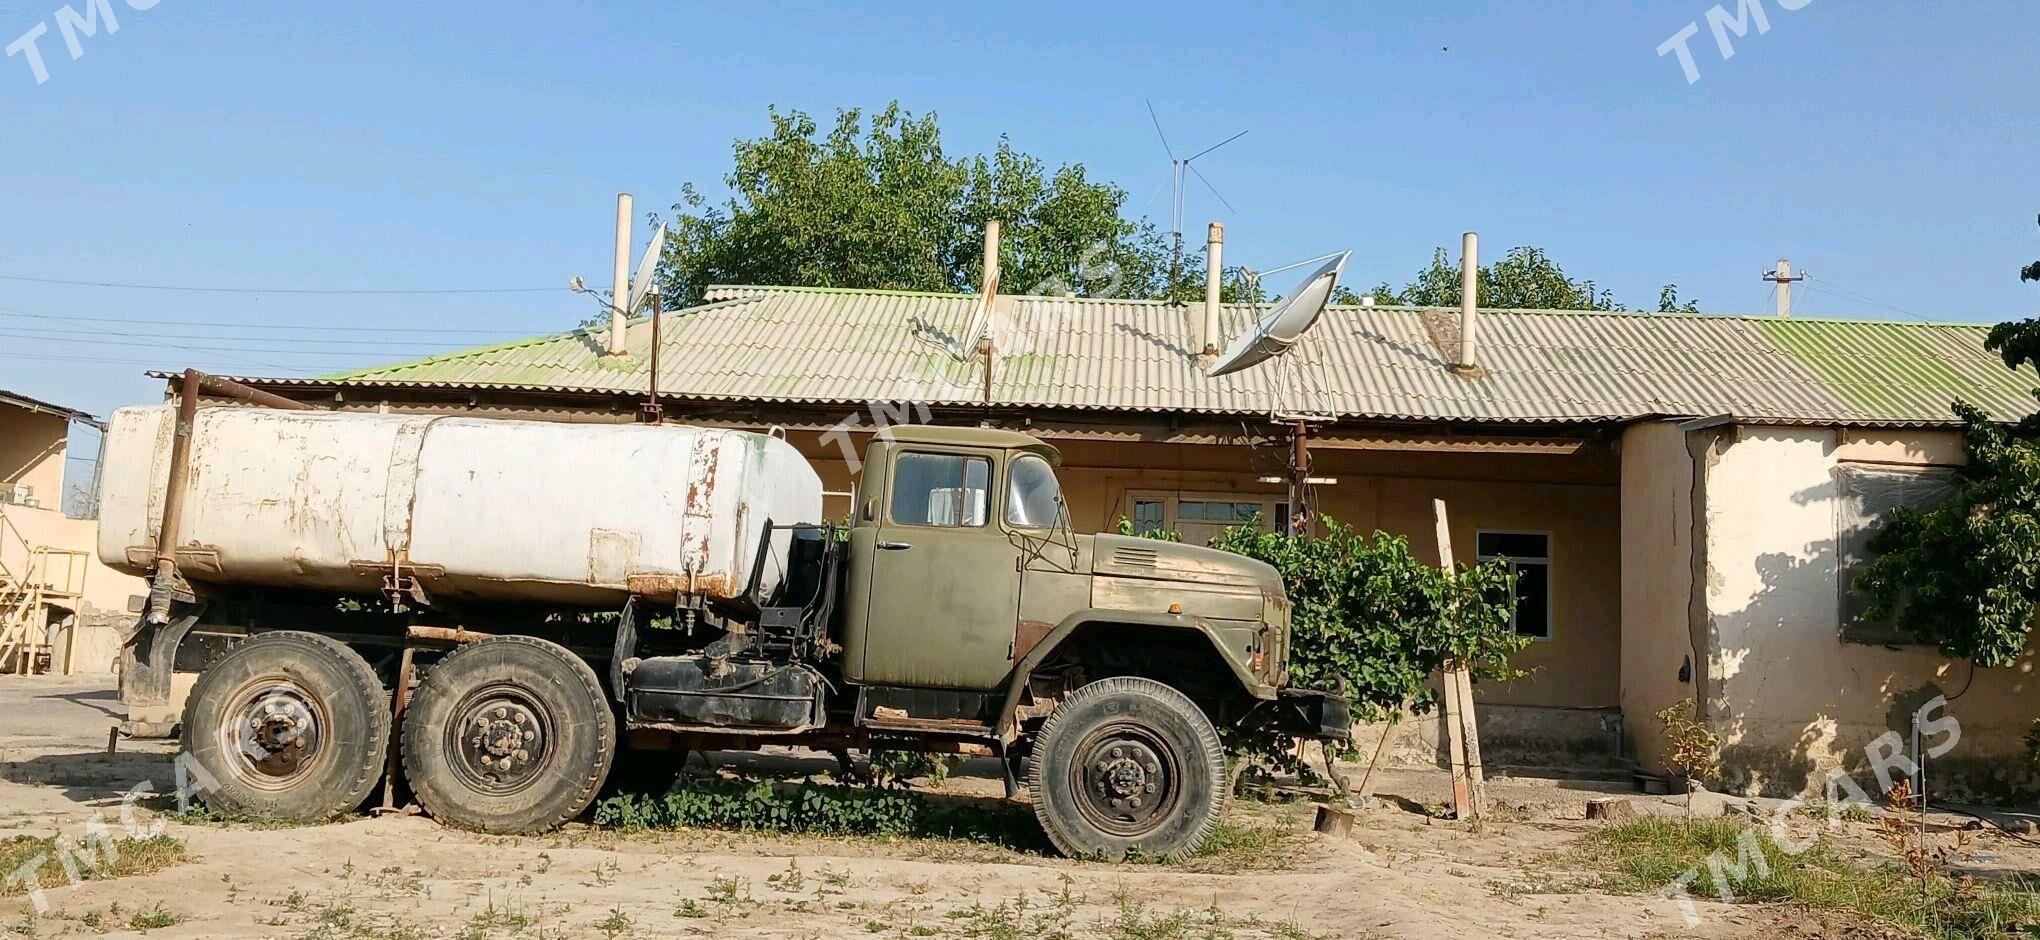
[1179,170]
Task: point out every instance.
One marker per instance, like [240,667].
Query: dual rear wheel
[509,734]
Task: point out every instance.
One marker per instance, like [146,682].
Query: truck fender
[1052,641]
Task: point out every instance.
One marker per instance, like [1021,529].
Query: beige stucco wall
[90,641]
[32,452]
[1789,698]
[1657,578]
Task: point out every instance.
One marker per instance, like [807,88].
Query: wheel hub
[1128,780]
[500,741]
[274,733]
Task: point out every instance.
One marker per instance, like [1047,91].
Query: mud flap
[147,661]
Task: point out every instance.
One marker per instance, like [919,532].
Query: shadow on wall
[1792,702]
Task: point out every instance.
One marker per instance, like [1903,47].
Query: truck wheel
[1127,763]
[290,726]
[510,734]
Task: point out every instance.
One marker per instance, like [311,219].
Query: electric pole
[1783,278]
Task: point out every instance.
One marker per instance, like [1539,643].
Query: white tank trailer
[473,508]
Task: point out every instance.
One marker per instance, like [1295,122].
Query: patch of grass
[493,920]
[1235,845]
[61,859]
[198,814]
[1650,855]
[154,918]
[617,924]
[763,805]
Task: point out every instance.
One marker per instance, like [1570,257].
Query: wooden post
[1469,783]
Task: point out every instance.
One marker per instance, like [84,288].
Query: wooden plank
[1469,732]
[1382,750]
[1462,793]
[1468,787]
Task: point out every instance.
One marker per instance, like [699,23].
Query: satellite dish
[1280,328]
[642,287]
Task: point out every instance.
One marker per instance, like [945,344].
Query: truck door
[945,580]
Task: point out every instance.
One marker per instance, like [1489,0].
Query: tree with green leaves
[880,205]
[1668,301]
[1371,619]
[1965,575]
[1525,278]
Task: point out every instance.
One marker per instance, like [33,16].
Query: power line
[269,326]
[150,343]
[443,345]
[279,290]
[1847,294]
[101,360]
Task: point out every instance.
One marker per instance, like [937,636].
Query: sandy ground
[1400,874]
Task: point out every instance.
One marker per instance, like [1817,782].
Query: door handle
[894,546]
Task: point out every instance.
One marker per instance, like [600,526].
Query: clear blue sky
[1889,148]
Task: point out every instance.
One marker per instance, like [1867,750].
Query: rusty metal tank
[475,508]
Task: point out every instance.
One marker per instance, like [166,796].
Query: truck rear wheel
[291,726]
[510,734]
[1127,764]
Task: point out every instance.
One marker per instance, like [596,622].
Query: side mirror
[871,509]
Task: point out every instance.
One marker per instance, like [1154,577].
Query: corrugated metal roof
[831,345]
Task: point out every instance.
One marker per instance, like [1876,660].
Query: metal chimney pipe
[1469,301]
[1214,274]
[621,295]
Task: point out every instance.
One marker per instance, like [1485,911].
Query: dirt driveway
[1401,874]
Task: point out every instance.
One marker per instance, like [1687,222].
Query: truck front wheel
[290,726]
[510,734]
[1128,764]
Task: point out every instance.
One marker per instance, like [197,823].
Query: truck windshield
[1031,491]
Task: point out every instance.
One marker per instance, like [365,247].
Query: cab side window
[1031,493]
[948,490]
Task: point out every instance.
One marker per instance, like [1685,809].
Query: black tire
[1138,742]
[290,726]
[511,734]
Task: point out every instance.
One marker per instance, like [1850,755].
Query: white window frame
[1171,501]
[1550,584]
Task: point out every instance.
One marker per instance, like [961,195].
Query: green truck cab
[958,612]
[1111,660]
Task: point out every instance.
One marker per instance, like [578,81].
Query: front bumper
[1309,713]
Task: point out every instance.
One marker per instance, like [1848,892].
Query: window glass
[940,489]
[1865,497]
[1189,510]
[1514,545]
[1147,516]
[1529,558]
[1031,493]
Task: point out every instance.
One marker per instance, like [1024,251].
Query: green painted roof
[838,346]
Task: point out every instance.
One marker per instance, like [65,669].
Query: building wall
[1790,699]
[1657,580]
[32,452]
[88,640]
